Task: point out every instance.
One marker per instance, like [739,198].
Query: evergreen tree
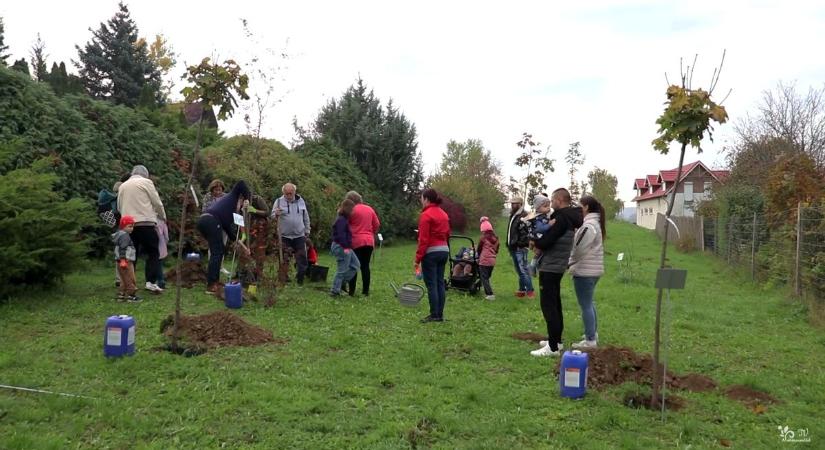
[114,65]
[38,60]
[381,142]
[4,49]
[63,83]
[21,66]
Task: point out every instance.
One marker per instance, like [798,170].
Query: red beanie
[486,225]
[126,221]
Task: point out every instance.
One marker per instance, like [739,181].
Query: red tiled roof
[639,183]
[669,176]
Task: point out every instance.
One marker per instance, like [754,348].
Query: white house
[654,191]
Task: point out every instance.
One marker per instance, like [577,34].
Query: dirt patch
[530,337]
[672,402]
[422,434]
[694,382]
[749,396]
[192,273]
[610,366]
[218,329]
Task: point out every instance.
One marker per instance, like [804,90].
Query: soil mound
[218,329]
[192,273]
[530,337]
[749,396]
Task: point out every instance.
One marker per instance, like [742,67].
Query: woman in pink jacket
[364,224]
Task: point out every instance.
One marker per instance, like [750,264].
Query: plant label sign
[620,257]
[380,238]
[238,219]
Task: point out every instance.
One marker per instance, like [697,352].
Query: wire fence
[782,248]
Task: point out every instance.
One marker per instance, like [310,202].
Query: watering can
[409,294]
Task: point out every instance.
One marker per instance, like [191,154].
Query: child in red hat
[125,255]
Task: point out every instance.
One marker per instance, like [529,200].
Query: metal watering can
[409,294]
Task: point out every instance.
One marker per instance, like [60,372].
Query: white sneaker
[545,351]
[547,343]
[584,343]
[224,271]
[152,287]
[490,297]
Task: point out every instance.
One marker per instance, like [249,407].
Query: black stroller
[464,282]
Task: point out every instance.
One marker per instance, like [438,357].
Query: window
[708,187]
[688,191]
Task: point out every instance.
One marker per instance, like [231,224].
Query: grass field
[364,373]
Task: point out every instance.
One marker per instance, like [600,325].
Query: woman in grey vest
[587,266]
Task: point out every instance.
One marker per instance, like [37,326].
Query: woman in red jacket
[433,252]
[364,223]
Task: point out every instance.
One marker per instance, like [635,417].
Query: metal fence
[785,248]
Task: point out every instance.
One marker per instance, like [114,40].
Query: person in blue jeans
[341,249]
[432,252]
[587,266]
[517,242]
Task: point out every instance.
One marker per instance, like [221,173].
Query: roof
[669,177]
[639,183]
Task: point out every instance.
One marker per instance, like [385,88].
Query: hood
[573,214]
[241,190]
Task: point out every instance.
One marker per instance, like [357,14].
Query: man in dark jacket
[555,245]
[517,245]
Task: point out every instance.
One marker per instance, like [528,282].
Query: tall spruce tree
[4,49]
[38,60]
[382,142]
[114,65]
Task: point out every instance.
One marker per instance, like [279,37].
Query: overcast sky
[591,71]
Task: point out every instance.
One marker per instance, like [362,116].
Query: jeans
[485,272]
[364,255]
[145,239]
[348,266]
[432,269]
[585,288]
[525,283]
[212,231]
[551,307]
[299,249]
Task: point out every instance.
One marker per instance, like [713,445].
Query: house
[654,191]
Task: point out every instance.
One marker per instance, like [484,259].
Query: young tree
[575,159]
[38,60]
[114,65]
[470,176]
[4,49]
[211,85]
[63,83]
[686,119]
[536,164]
[603,186]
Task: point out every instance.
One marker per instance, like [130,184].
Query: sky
[593,72]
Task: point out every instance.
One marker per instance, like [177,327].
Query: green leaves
[686,118]
[216,85]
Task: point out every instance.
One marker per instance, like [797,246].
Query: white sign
[130,339]
[620,257]
[113,335]
[238,219]
[380,238]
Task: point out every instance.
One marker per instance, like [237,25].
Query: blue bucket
[573,374]
[119,336]
[233,294]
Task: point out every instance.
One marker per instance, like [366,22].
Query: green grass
[364,373]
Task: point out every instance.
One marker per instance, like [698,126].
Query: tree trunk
[175,328]
[658,377]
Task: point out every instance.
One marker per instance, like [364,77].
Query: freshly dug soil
[749,396]
[192,273]
[218,329]
[530,337]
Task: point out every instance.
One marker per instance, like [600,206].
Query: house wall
[686,207]
[646,212]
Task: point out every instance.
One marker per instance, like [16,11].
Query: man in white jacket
[137,197]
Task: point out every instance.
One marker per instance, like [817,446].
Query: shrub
[41,241]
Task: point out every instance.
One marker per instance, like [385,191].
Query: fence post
[797,277]
[716,237]
[730,235]
[702,234]
[753,250]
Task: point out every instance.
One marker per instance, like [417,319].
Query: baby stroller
[468,280]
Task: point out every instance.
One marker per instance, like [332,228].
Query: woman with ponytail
[587,266]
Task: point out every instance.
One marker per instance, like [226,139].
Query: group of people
[563,237]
